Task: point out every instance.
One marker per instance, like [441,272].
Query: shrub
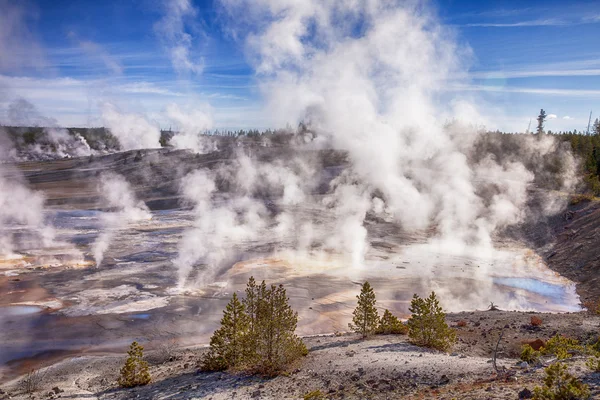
[32,381]
[390,324]
[365,319]
[593,307]
[314,395]
[536,321]
[560,385]
[529,355]
[166,350]
[427,324]
[135,371]
[562,347]
[593,363]
[461,324]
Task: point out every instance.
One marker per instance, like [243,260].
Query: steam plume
[367,76]
[132,130]
[124,208]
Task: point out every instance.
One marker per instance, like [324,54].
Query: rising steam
[123,208]
[368,78]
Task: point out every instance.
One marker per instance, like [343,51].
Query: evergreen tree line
[257,333]
[426,327]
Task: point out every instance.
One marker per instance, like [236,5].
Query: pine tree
[559,384]
[390,324]
[228,347]
[540,119]
[275,343]
[135,371]
[596,127]
[427,324]
[250,302]
[365,318]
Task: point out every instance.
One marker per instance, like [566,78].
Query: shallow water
[134,294]
[16,311]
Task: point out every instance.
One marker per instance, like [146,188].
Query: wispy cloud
[535,22]
[172,33]
[95,51]
[531,73]
[18,47]
[544,91]
[147,88]
[552,116]
[495,13]
[567,117]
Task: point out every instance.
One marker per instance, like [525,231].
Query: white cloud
[18,47]
[551,116]
[536,22]
[508,74]
[178,42]
[94,50]
[507,89]
[567,117]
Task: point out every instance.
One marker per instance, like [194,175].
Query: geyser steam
[123,208]
[368,77]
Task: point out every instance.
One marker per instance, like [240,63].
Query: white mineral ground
[55,300]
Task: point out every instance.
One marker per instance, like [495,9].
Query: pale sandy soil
[343,367]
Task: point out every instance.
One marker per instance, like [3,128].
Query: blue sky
[66,57]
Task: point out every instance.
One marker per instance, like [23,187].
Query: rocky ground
[342,367]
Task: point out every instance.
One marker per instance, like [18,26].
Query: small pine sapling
[135,371]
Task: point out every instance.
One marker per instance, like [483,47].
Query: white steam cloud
[192,124]
[21,209]
[124,208]
[133,130]
[368,78]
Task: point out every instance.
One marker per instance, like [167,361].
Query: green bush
[529,355]
[427,324]
[560,385]
[135,371]
[593,362]
[390,324]
[562,347]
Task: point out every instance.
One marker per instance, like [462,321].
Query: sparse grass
[314,395]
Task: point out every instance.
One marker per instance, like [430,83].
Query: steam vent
[345,199]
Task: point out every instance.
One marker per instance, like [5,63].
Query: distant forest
[585,146]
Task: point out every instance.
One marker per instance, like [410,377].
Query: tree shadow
[182,386]
[399,347]
[332,345]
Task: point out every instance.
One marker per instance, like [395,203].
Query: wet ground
[55,303]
